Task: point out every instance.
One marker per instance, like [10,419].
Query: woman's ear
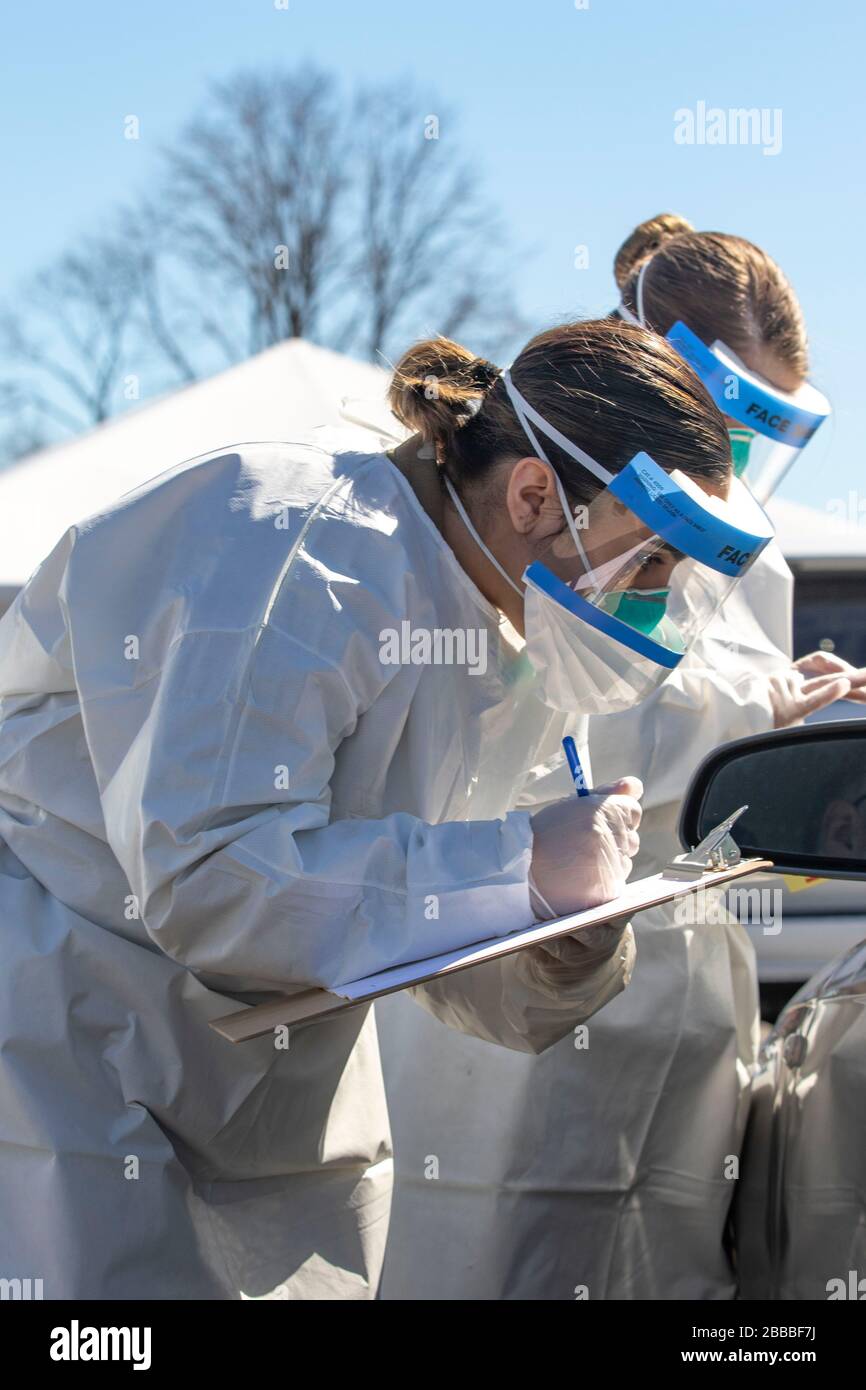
[531,498]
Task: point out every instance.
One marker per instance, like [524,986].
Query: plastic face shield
[771,426]
[652,557]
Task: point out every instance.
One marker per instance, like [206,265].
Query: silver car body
[800,1212]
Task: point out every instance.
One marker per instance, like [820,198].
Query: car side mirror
[805,789]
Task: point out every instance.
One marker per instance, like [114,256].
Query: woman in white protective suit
[268,723]
[605,1168]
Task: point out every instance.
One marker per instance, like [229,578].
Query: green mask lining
[741,443]
[642,609]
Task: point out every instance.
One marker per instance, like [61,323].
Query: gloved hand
[557,968]
[583,847]
[812,683]
[829,664]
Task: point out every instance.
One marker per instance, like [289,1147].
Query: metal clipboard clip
[718,850]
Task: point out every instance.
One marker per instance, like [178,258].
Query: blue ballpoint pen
[574,766]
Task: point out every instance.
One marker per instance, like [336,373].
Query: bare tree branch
[425,232]
[264,169]
[282,213]
[78,314]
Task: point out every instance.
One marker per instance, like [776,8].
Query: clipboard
[715,861]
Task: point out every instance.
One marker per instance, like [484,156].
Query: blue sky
[569,114]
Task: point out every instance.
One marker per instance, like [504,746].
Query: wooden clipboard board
[311,1005]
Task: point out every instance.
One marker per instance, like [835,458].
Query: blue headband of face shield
[771,426]
[685,521]
[740,394]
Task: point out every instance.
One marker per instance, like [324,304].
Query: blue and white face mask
[615,599]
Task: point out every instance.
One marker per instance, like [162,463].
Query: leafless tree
[281,213]
[257,183]
[24,424]
[429,249]
[64,345]
[165,317]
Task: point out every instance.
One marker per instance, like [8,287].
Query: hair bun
[644,241]
[485,373]
[434,386]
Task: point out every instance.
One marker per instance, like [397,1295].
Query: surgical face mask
[741,444]
[600,640]
[642,609]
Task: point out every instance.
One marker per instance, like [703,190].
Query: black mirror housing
[805,789]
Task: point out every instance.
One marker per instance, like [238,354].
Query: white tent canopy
[816,538]
[280,394]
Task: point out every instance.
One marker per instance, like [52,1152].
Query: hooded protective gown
[213,785]
[602,1168]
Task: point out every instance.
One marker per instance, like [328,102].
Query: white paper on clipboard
[308,1005]
[634,897]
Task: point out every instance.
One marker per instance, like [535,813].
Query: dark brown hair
[721,286]
[611,388]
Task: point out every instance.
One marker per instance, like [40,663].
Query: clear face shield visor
[771,426]
[651,558]
[615,598]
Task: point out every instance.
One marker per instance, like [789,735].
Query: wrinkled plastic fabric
[606,1167]
[595,1170]
[800,1214]
[212,787]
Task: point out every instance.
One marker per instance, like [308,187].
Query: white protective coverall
[212,787]
[601,1169]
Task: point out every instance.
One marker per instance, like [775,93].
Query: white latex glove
[793,695]
[559,968]
[829,664]
[583,847]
